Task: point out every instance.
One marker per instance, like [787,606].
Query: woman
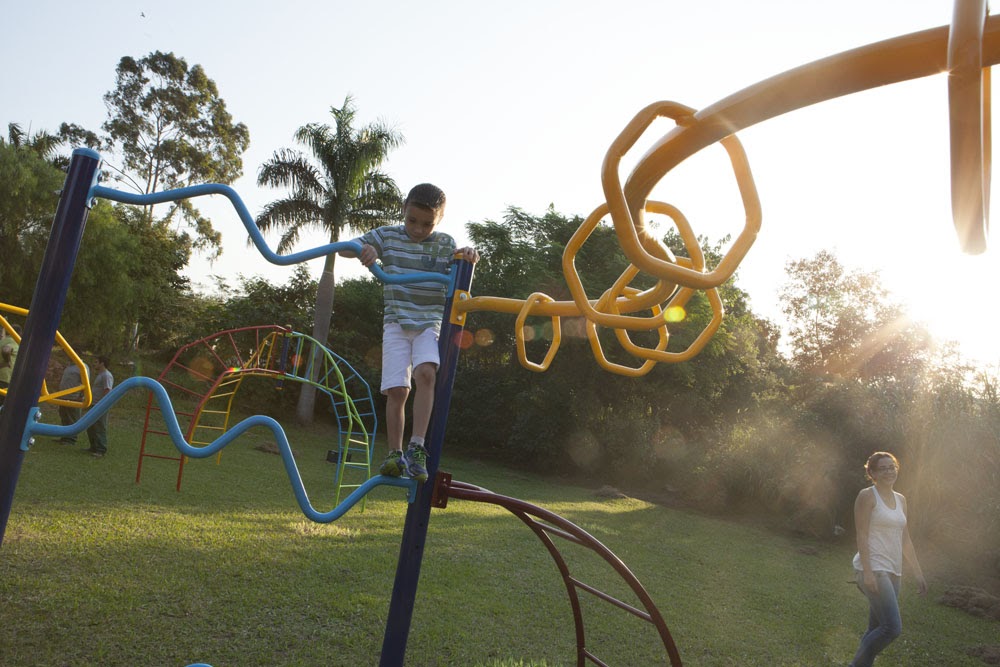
[883,543]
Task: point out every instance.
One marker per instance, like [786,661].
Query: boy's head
[103,361]
[426,196]
[423,208]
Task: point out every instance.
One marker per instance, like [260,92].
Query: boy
[412,321]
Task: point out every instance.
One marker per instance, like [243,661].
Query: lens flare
[201,367]
[464,339]
[674,314]
[484,338]
[575,327]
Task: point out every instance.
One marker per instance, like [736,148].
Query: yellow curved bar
[56,398]
[890,61]
[966,49]
[969,125]
[522,353]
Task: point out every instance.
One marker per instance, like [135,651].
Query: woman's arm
[863,506]
[910,554]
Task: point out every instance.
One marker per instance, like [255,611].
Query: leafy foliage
[28,187]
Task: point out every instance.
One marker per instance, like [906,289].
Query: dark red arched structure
[547,525]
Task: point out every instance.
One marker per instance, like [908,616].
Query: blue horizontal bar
[174,431]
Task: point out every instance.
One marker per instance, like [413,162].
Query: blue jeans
[884,623]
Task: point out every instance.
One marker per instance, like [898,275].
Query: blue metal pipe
[411,550]
[255,235]
[177,437]
[39,332]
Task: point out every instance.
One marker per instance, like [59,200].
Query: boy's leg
[396,387]
[425,364]
[395,403]
[424,377]
[395,416]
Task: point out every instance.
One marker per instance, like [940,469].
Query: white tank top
[885,536]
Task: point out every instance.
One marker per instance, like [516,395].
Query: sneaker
[416,462]
[393,465]
[97,455]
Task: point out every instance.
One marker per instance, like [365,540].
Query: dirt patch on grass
[975,601]
[988,654]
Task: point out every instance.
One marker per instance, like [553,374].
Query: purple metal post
[39,332]
[411,549]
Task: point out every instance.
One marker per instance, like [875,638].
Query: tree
[844,322]
[28,187]
[173,129]
[344,191]
[146,259]
[576,416]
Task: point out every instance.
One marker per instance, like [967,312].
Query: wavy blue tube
[258,238]
[174,430]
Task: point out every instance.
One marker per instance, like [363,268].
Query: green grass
[97,570]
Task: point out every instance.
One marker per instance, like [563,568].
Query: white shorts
[403,350]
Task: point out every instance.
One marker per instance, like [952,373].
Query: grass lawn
[98,570]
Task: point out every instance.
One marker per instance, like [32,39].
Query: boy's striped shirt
[413,306]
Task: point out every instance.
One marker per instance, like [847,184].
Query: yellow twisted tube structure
[965,50]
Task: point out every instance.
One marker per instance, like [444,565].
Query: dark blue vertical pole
[39,332]
[411,550]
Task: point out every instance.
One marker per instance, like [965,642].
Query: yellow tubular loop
[969,113]
[630,228]
[659,353]
[696,346]
[522,353]
[602,361]
[599,312]
[664,333]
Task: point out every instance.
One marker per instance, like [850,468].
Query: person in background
[69,415]
[8,355]
[880,516]
[412,321]
[100,387]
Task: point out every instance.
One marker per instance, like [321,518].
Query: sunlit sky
[516,103]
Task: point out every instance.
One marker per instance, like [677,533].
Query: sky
[516,103]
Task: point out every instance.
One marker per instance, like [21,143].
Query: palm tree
[41,143]
[344,192]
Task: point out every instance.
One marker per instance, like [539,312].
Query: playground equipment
[207,374]
[62,396]
[966,50]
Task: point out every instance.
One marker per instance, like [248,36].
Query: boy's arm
[368,254]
